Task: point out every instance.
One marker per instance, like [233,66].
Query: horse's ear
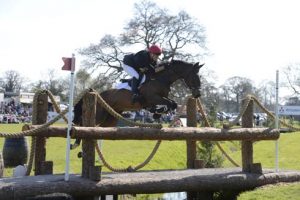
[197,66]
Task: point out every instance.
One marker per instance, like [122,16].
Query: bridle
[182,77]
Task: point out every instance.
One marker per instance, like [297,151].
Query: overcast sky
[248,38]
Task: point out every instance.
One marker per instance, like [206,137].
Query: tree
[56,85]
[12,81]
[237,88]
[177,34]
[266,91]
[83,80]
[292,78]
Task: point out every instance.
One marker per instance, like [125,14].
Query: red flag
[69,64]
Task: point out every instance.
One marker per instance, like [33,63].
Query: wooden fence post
[191,111]
[40,113]
[88,145]
[247,146]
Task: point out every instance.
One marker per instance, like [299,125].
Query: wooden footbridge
[199,183]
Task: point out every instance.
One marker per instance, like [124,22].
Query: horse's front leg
[173,104]
[161,105]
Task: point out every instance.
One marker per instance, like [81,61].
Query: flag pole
[71,96]
[277,123]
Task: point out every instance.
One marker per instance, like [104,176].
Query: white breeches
[131,71]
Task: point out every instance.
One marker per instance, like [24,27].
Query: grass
[290,191]
[172,155]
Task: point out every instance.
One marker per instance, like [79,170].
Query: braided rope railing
[56,106]
[201,110]
[111,111]
[272,115]
[118,116]
[130,168]
[61,114]
[236,120]
[243,110]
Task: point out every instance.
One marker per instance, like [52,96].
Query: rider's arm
[159,68]
[141,61]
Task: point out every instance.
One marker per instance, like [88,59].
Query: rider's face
[154,56]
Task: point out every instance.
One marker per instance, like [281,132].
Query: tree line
[182,37]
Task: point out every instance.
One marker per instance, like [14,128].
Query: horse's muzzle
[196,93]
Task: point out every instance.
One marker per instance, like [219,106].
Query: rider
[139,64]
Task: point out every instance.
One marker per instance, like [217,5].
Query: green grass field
[172,155]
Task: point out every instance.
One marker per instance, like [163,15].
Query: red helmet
[155,49]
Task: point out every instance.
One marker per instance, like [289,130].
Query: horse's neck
[164,77]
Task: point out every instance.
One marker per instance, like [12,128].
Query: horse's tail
[102,118]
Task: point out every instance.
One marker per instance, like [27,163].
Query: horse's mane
[175,62]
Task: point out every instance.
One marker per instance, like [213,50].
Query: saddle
[157,110]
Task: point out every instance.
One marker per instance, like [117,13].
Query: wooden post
[247,146]
[40,113]
[191,110]
[191,122]
[88,145]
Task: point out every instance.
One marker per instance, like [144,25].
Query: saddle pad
[126,86]
[123,86]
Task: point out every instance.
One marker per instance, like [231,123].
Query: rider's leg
[134,83]
[134,87]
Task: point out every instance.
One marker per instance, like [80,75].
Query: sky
[247,38]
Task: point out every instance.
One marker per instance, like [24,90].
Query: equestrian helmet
[155,49]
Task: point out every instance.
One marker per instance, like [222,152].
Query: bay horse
[154,91]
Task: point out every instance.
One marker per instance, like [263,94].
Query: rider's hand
[143,69]
[159,68]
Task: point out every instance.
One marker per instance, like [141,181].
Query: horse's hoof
[152,110]
[79,155]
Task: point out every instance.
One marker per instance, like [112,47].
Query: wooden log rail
[230,179]
[186,133]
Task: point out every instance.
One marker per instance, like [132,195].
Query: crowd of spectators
[11,112]
[146,117]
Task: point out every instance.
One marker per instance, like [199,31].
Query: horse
[154,92]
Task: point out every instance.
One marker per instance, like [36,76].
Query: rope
[130,168]
[31,156]
[272,115]
[111,111]
[200,109]
[54,103]
[243,110]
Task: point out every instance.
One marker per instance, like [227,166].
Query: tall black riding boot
[134,88]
